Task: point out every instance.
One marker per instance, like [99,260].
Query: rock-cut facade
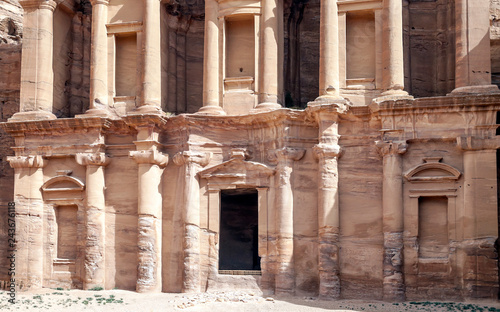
[330,148]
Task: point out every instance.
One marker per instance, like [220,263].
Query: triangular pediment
[237,168]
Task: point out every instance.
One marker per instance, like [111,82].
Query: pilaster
[192,162]
[94,263]
[393,218]
[285,275]
[28,180]
[480,227]
[151,163]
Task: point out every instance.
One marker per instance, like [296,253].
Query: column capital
[390,148]
[32,161]
[187,157]
[152,156]
[92,159]
[326,151]
[471,143]
[286,154]
[38,4]
[94,2]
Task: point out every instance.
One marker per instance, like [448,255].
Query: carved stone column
[268,82]
[393,48]
[480,228]
[99,61]
[393,221]
[151,164]
[211,77]
[94,264]
[329,84]
[327,152]
[151,53]
[285,275]
[28,180]
[192,163]
[37,75]
[328,221]
[472,47]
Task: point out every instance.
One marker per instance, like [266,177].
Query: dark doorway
[238,242]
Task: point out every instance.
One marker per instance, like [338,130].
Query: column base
[389,95]
[147,109]
[467,90]
[211,110]
[265,107]
[33,115]
[328,99]
[96,112]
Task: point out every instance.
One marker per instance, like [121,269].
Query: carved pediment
[237,168]
[433,170]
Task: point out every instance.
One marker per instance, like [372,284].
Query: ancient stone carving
[153,157]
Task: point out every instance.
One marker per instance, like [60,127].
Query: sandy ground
[234,301]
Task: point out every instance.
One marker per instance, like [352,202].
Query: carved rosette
[389,148]
[92,159]
[33,161]
[188,157]
[152,157]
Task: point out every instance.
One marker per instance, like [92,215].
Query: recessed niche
[360,44]
[240,46]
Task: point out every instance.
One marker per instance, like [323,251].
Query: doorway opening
[238,242]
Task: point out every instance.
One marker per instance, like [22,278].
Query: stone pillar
[472,47]
[151,164]
[480,217]
[285,275]
[328,220]
[393,74]
[37,75]
[191,216]
[329,83]
[393,221]
[94,264]
[268,82]
[211,77]
[28,180]
[99,61]
[151,53]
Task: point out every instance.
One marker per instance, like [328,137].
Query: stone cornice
[64,124]
[471,143]
[475,102]
[92,159]
[38,4]
[152,156]
[34,161]
[188,157]
[387,148]
[144,120]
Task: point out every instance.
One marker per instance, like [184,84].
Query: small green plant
[96,288]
